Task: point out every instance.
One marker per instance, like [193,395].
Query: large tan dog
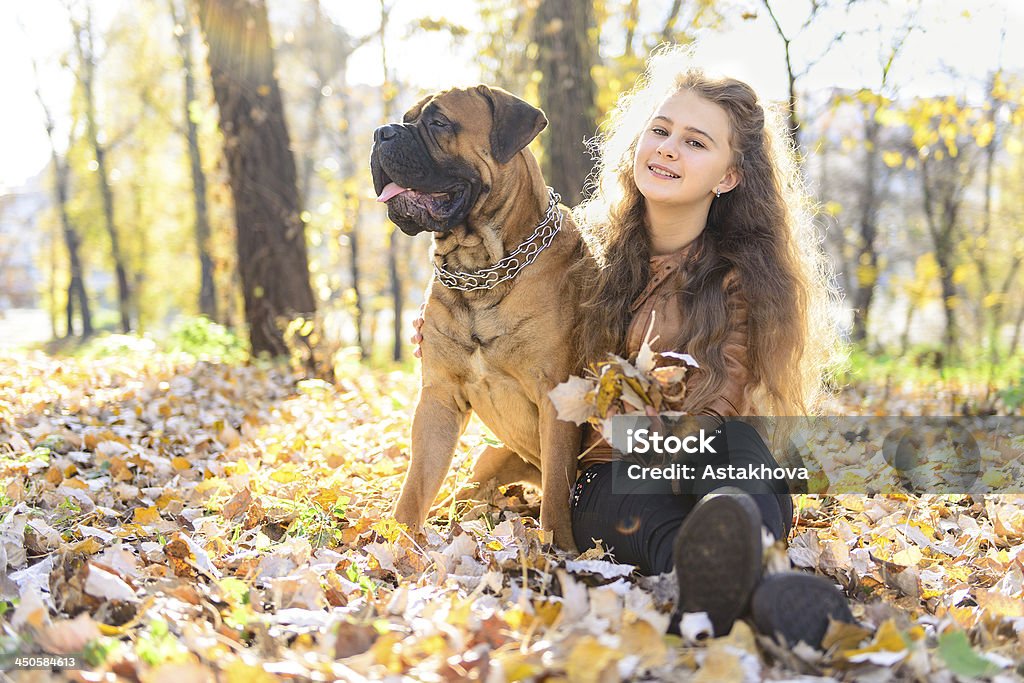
[499,311]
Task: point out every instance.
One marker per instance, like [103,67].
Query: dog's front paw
[409,515]
[564,539]
[559,523]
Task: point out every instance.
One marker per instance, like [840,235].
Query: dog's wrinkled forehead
[453,117]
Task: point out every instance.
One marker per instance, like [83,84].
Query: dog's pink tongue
[391,190]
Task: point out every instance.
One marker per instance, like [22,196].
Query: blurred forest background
[130,201]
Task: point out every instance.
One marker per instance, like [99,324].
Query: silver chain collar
[522,256]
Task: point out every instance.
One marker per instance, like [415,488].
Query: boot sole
[796,607]
[717,556]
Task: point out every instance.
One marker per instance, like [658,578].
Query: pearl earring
[718,193]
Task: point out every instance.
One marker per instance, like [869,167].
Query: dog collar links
[508,267]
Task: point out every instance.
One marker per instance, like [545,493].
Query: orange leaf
[145,516]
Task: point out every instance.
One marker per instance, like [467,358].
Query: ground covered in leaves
[176,520]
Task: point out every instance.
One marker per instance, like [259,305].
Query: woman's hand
[417,336]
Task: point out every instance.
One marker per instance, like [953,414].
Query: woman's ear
[729,181]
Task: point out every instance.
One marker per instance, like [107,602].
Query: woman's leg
[640,519]
[744,448]
[637,526]
[712,541]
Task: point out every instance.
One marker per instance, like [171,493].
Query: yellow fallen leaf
[908,557]
[721,665]
[386,652]
[240,672]
[995,478]
[516,618]
[229,437]
[517,666]
[641,639]
[999,605]
[285,475]
[433,645]
[741,636]
[547,611]
[54,475]
[119,470]
[887,639]
[165,499]
[327,498]
[211,484]
[179,672]
[181,463]
[145,516]
[1007,520]
[608,391]
[388,528]
[588,660]
[89,546]
[844,636]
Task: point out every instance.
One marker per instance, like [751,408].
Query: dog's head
[434,168]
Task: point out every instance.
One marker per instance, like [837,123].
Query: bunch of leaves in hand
[654,384]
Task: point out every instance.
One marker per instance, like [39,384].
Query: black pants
[638,522]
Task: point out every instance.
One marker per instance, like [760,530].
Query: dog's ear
[516,122]
[415,110]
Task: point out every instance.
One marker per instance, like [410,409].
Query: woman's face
[683,154]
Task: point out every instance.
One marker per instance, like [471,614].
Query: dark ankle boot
[795,607]
[717,556]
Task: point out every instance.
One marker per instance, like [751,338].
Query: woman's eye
[659,131]
[696,143]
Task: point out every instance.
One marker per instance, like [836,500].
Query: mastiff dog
[498,322]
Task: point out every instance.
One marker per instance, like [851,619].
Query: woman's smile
[662,172]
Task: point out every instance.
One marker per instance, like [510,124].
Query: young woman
[698,232]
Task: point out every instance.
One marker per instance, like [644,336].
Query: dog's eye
[439,123]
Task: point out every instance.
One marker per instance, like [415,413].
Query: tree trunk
[207,286]
[943,193]
[1017,327]
[76,286]
[138,218]
[669,29]
[949,335]
[394,277]
[397,296]
[309,152]
[52,287]
[565,57]
[271,238]
[353,242]
[351,228]
[866,268]
[905,337]
[632,19]
[87,70]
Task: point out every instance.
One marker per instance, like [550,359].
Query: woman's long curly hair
[762,230]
